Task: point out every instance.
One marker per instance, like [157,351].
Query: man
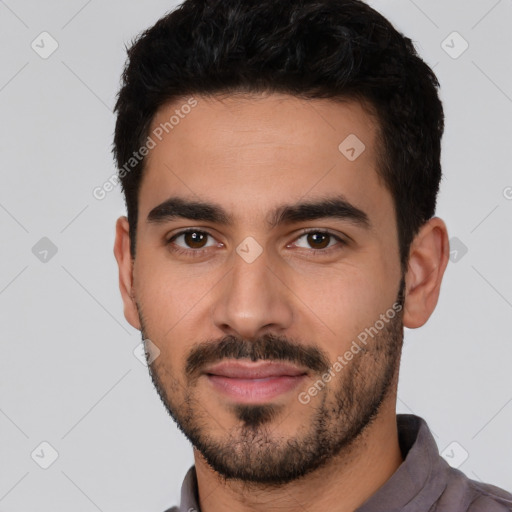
[280,162]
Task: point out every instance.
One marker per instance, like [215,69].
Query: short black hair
[337,49]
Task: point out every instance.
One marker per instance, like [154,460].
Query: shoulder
[462,493]
[489,498]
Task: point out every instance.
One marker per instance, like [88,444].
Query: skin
[249,155]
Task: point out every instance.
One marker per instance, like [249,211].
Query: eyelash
[195,253]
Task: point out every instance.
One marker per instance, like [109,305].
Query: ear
[125,264]
[428,257]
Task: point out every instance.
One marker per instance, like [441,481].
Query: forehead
[251,153]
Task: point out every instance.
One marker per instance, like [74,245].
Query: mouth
[250,382]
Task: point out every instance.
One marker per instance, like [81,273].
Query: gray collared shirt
[424,482]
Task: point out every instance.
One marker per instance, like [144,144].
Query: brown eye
[318,240]
[191,239]
[195,239]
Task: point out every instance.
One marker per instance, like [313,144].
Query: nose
[253,299]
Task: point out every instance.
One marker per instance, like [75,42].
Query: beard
[335,418]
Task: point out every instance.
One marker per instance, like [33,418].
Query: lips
[249,382]
[251,370]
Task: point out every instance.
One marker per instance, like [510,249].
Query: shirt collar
[189,493]
[414,487]
[421,478]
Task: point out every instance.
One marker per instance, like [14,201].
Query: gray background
[68,374]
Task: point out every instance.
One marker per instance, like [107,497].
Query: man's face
[278,307]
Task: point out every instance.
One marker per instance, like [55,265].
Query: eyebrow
[336,207]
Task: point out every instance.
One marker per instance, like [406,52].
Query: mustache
[268,347]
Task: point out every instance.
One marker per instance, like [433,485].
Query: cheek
[341,303]
[162,295]
[174,300]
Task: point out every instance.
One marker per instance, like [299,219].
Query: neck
[341,485]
